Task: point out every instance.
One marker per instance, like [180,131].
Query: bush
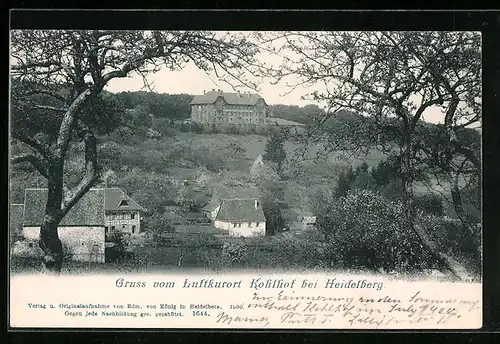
[196,128]
[291,252]
[365,230]
[234,252]
[233,130]
[165,127]
[158,225]
[455,239]
[430,204]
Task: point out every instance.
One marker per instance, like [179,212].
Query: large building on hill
[237,210]
[217,110]
[217,107]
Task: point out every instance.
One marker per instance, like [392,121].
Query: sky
[191,80]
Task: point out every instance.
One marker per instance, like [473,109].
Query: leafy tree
[392,79]
[72,68]
[363,180]
[140,119]
[365,230]
[344,182]
[157,225]
[275,151]
[430,203]
[274,218]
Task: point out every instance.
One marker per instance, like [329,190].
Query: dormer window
[123,203]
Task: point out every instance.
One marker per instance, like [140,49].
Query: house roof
[232,192]
[230,98]
[309,219]
[88,211]
[281,121]
[240,210]
[16,217]
[114,196]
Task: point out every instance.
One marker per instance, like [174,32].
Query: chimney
[204,92]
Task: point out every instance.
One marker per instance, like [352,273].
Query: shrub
[454,239]
[291,252]
[429,203]
[157,225]
[365,230]
[234,252]
[67,253]
[196,128]
[165,127]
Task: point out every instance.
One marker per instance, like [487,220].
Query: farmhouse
[245,111]
[81,230]
[237,210]
[84,228]
[308,222]
[241,217]
[228,192]
[123,214]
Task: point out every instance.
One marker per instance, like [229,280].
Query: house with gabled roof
[241,217]
[228,192]
[237,210]
[123,214]
[83,229]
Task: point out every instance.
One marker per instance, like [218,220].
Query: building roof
[240,210]
[230,98]
[16,217]
[115,196]
[281,121]
[308,219]
[88,211]
[232,192]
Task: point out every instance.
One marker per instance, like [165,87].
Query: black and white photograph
[138,152]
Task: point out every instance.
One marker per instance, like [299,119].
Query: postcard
[245,179]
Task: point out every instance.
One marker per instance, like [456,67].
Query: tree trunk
[456,197]
[407,184]
[464,218]
[49,242]
[407,178]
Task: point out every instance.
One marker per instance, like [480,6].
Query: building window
[132,216]
[112,228]
[249,224]
[239,224]
[133,229]
[234,224]
[83,244]
[123,226]
[257,225]
[30,244]
[106,230]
